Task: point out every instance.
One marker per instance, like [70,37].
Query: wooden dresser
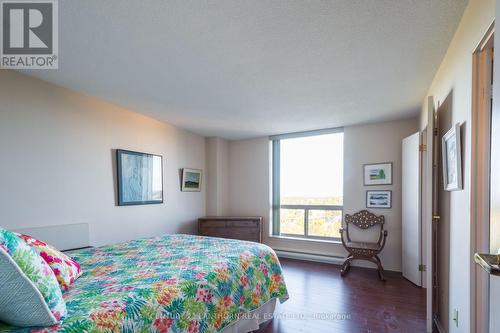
[235,227]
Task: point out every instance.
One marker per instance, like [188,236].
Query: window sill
[302,239]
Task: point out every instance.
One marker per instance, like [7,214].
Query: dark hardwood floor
[360,302]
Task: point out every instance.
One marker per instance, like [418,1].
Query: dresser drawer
[243,224]
[242,228]
[214,224]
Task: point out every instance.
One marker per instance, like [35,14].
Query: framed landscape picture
[191,180]
[377,174]
[139,178]
[378,199]
[452,159]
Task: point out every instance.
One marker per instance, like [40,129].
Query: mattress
[171,283]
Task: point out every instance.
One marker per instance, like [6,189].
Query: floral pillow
[29,292]
[65,268]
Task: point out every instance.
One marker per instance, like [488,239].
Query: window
[308,184]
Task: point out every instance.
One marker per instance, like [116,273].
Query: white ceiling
[239,69]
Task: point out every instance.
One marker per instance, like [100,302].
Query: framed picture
[191,180]
[377,174]
[452,159]
[140,178]
[378,199]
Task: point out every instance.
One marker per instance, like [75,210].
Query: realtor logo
[29,33]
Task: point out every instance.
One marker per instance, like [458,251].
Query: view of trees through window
[311,185]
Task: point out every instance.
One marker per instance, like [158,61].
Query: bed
[172,283]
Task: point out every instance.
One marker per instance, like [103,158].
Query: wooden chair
[363,250]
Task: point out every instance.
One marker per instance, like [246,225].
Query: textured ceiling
[239,69]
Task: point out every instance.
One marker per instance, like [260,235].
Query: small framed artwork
[452,159]
[378,199]
[191,180]
[139,178]
[377,174]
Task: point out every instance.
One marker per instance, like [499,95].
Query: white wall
[249,183]
[217,154]
[249,192]
[372,144]
[454,80]
[56,149]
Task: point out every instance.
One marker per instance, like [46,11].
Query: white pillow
[19,297]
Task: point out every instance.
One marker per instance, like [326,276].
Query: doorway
[485,176]
[481,176]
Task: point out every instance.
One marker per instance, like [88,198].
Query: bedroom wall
[217,151]
[57,163]
[453,81]
[249,183]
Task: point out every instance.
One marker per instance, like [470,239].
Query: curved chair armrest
[342,231]
[382,239]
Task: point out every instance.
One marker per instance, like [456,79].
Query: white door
[411,226]
[430,204]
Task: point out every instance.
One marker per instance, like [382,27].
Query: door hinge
[422,147]
[436,217]
[422,268]
[435,131]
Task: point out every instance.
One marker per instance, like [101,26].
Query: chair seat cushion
[363,245]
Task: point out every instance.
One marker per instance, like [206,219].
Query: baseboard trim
[310,257]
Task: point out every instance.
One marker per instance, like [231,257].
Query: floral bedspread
[172,283]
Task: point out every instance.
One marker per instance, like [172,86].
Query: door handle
[489,262]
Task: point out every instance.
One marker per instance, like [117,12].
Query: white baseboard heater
[310,257]
[335,260]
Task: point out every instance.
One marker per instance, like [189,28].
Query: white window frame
[276,198]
